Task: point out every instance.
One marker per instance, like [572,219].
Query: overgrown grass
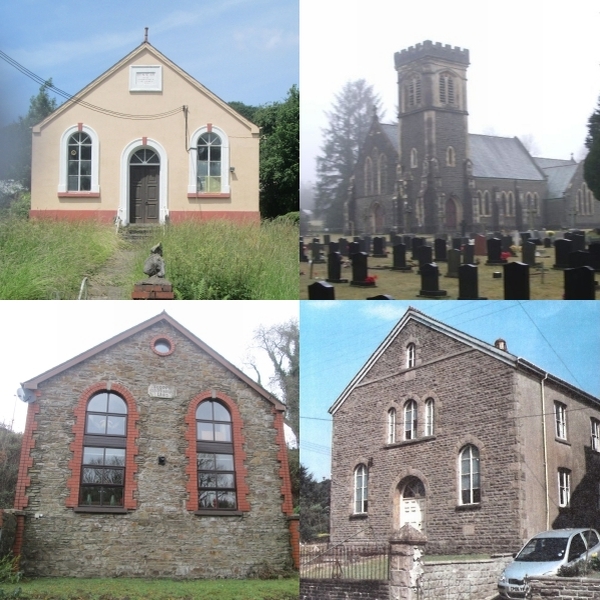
[220,260]
[156,589]
[41,260]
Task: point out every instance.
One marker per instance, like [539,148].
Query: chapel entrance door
[451,214]
[144,179]
[412,504]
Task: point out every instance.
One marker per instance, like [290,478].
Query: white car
[544,554]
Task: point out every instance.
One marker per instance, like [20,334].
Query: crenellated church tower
[433,137]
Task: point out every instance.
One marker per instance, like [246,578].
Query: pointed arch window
[413,91]
[470,486]
[216,466]
[361,489]
[487,207]
[446,87]
[450,157]
[411,356]
[382,174]
[368,176]
[410,420]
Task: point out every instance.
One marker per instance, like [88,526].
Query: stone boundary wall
[342,589]
[566,588]
[457,580]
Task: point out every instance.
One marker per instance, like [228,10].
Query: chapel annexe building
[427,173]
[145,143]
[151,455]
[477,447]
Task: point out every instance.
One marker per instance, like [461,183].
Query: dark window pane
[226,500]
[115,457]
[92,475]
[113,496]
[86,167]
[215,153]
[215,168]
[206,461]
[202,153]
[207,480]
[73,167]
[90,496]
[477,495]
[202,167]
[207,500]
[225,480]
[113,476]
[86,152]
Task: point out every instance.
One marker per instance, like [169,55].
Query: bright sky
[42,335]
[338,337]
[244,50]
[535,65]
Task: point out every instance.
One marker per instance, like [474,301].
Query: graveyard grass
[155,589]
[407,285]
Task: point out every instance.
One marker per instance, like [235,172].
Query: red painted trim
[26,460]
[287,505]
[239,456]
[129,502]
[207,195]
[78,194]
[237,216]
[103,216]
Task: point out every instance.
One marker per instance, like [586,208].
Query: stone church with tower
[428,174]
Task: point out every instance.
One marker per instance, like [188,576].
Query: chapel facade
[428,174]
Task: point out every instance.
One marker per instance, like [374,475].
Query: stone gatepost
[406,567]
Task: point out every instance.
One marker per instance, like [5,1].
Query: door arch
[413,503]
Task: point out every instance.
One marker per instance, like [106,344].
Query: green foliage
[10,451]
[591,168]
[9,569]
[349,121]
[246,110]
[220,260]
[294,464]
[314,506]
[43,259]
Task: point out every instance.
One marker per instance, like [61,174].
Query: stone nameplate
[161,391]
[145,79]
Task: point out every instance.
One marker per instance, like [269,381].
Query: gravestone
[344,247]
[594,250]
[506,241]
[430,286]
[525,235]
[416,243]
[469,254]
[440,253]
[562,248]
[353,248]
[424,255]
[334,268]
[494,248]
[547,242]
[468,283]
[453,262]
[456,243]
[579,284]
[578,240]
[321,290]
[334,247]
[528,253]
[303,257]
[360,275]
[480,245]
[326,239]
[379,247]
[400,258]
[579,258]
[516,281]
[315,248]
[381,297]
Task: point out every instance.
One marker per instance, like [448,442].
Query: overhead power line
[76,100]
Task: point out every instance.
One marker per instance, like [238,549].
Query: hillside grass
[155,589]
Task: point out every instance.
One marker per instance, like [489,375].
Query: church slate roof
[391,131]
[559,178]
[544,163]
[502,158]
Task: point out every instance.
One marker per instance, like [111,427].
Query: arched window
[413,504]
[511,204]
[209,164]
[578,203]
[105,443]
[361,490]
[470,488]
[411,355]
[79,160]
[382,174]
[368,176]
[410,420]
[414,158]
[216,470]
[487,207]
[446,85]
[429,416]
[450,157]
[391,426]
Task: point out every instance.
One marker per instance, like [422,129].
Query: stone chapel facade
[474,446]
[428,174]
[151,455]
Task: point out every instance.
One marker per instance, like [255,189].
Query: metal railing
[348,561]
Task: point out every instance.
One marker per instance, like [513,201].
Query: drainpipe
[545,451]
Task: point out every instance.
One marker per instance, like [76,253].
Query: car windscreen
[543,549]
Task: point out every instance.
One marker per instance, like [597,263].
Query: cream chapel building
[145,143]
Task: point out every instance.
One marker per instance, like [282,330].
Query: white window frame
[391,426]
[595,426]
[560,420]
[193,161]
[63,176]
[361,489]
[429,416]
[564,488]
[473,474]
[410,420]
[411,356]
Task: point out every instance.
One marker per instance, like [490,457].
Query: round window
[162,346]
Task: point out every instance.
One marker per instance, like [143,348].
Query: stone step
[140,232]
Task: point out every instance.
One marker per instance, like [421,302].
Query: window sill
[201,195]
[79,194]
[562,441]
[425,438]
[468,506]
[358,516]
[101,509]
[218,513]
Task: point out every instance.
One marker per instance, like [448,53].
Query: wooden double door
[144,193]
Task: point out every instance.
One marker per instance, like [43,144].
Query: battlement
[431,49]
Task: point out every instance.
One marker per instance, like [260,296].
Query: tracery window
[450,157]
[79,163]
[209,162]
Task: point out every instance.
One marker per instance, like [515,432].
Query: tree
[10,451]
[16,138]
[591,165]
[282,345]
[349,121]
[314,506]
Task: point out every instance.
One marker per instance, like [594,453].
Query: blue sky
[337,338]
[244,50]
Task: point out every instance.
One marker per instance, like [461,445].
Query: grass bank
[155,589]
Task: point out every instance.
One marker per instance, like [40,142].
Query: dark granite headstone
[430,286]
[326,239]
[594,250]
[360,270]
[344,247]
[525,235]
[379,247]
[516,281]
[400,259]
[562,248]
[467,283]
[528,253]
[468,254]
[315,248]
[303,257]
[440,251]
[334,268]
[547,242]
[416,242]
[424,255]
[381,297]
[334,247]
[353,248]
[456,243]
[579,258]
[321,290]
[453,262]
[494,247]
[480,245]
[578,240]
[579,284]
